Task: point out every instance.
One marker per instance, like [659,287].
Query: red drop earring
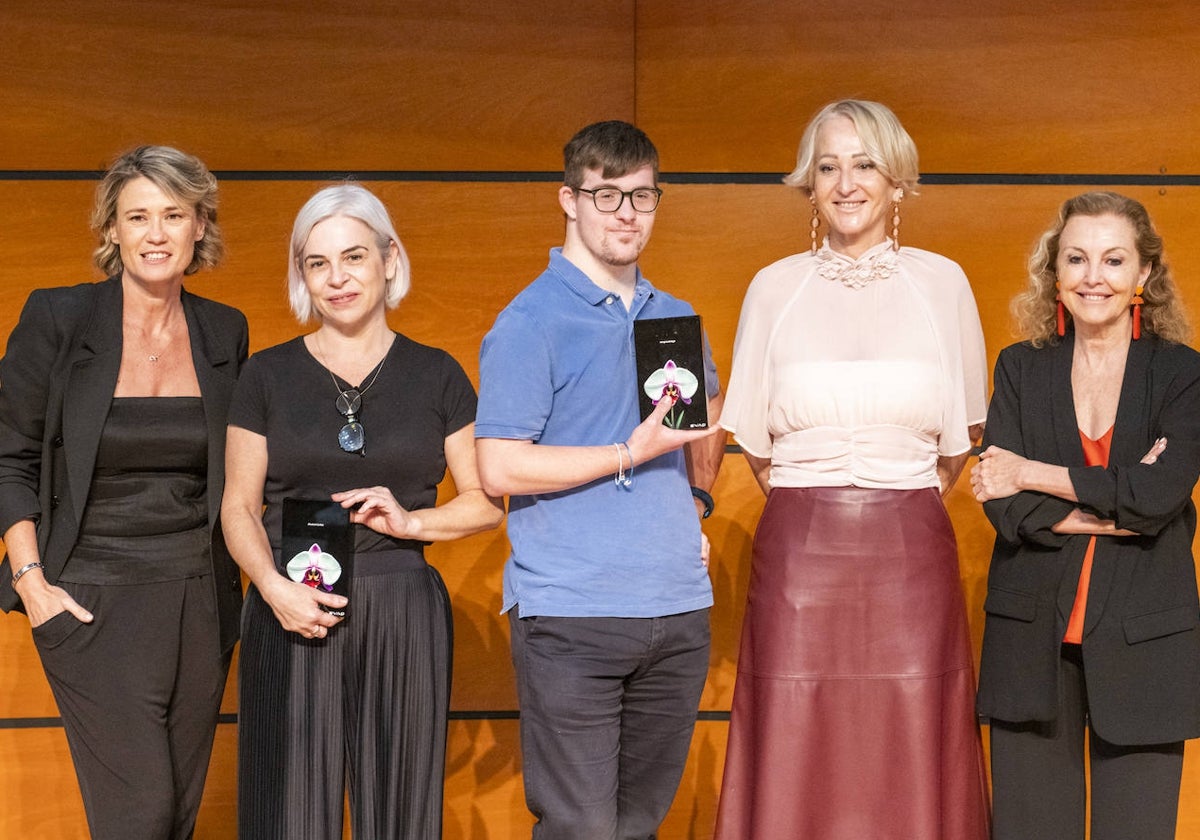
[1137,313]
[1061,315]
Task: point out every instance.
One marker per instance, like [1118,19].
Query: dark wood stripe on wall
[501,176]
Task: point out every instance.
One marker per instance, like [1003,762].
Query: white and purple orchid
[670,379]
[315,568]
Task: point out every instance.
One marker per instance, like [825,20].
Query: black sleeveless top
[146,518]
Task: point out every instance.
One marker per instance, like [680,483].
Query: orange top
[1095,454]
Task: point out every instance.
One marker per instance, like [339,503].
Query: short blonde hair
[353,202]
[1035,309]
[884,139]
[183,177]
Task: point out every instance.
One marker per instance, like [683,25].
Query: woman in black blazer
[113,401]
[1092,451]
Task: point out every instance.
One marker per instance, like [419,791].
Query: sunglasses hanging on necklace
[351,437]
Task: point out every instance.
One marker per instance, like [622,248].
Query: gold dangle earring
[896,199]
[816,223]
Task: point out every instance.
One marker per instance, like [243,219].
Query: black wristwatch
[707,499]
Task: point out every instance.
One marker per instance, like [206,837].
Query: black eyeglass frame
[624,194]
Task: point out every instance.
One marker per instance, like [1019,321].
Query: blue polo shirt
[557,368]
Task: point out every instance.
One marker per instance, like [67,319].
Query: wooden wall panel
[490,804]
[988,86]
[484,798]
[744,228]
[473,246]
[324,85]
[995,87]
[39,796]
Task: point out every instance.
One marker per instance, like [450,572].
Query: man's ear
[567,199]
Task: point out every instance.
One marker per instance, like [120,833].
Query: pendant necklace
[351,437]
[145,345]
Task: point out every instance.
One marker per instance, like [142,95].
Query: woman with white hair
[335,688]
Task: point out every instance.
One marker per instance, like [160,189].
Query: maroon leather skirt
[853,715]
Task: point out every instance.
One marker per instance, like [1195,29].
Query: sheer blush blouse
[862,384]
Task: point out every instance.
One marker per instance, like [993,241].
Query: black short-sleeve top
[420,397]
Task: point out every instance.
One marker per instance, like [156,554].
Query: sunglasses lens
[351,437]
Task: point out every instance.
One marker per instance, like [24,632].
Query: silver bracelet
[620,477]
[627,478]
[28,567]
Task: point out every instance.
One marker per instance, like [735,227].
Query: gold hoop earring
[814,225]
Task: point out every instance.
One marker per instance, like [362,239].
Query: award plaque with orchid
[670,362]
[318,545]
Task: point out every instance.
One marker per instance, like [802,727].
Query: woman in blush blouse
[858,384]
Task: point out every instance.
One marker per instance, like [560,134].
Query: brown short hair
[614,147]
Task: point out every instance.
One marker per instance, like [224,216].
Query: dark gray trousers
[139,690]
[1038,783]
[608,706]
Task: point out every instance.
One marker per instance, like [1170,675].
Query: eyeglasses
[610,199]
[351,437]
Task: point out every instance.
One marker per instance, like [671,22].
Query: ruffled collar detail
[876,264]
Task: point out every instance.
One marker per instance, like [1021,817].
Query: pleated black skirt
[365,707]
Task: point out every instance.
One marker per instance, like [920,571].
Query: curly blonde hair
[1035,308]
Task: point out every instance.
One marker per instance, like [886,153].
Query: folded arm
[1001,473]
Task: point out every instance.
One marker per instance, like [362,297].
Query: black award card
[670,360]
[318,545]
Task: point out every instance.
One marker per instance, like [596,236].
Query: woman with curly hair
[1093,620]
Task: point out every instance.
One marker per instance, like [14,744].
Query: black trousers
[608,706]
[1038,783]
[364,708]
[139,690]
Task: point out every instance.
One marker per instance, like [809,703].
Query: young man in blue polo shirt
[607,586]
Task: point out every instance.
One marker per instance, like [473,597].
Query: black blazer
[57,379]
[1141,642]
